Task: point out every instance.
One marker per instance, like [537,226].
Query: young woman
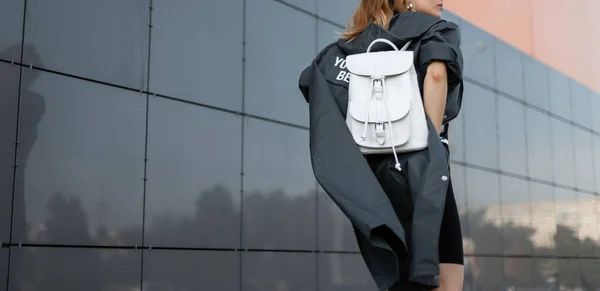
[435,91]
[396,215]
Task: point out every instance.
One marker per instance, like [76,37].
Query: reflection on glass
[539,145]
[334,229]
[479,113]
[562,150]
[596,157]
[567,222]
[584,162]
[589,274]
[279,187]
[81,151]
[487,274]
[190,270]
[569,274]
[9,92]
[478,51]
[511,136]
[580,98]
[271,76]
[518,274]
[266,271]
[509,69]
[589,228]
[193,171]
[114,52]
[595,104]
[546,274]
[484,217]
[11,29]
[192,61]
[516,217]
[344,272]
[543,218]
[338,11]
[78,269]
[560,97]
[3,265]
[536,83]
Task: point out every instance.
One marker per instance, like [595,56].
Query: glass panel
[580,95]
[456,138]
[545,274]
[489,274]
[512,144]
[589,274]
[480,126]
[9,92]
[334,228]
[11,29]
[569,275]
[271,71]
[338,11]
[484,218]
[194,71]
[539,145]
[543,218]
[562,149]
[516,216]
[560,97]
[458,178]
[75,269]
[191,270]
[279,187]
[509,69]
[3,267]
[595,101]
[308,5]
[193,189]
[81,177]
[567,222]
[106,41]
[589,228]
[584,163]
[449,16]
[536,83]
[596,157]
[518,274]
[327,34]
[344,272]
[478,52]
[267,271]
[470,271]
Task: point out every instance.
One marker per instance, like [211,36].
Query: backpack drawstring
[380,92]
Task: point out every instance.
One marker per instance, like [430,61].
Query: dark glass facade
[163,145]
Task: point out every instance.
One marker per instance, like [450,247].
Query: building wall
[167,149]
[563,34]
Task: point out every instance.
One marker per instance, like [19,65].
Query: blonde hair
[379,12]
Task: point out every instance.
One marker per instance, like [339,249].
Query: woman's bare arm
[435,90]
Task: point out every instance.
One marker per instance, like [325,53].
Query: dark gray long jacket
[343,172]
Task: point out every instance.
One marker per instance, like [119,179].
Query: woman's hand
[435,91]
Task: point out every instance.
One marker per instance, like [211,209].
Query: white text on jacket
[343,75]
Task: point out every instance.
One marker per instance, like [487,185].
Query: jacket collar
[403,27]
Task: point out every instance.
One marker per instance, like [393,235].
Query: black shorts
[450,248]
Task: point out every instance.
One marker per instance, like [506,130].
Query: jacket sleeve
[304,81]
[442,43]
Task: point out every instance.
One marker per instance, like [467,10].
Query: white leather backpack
[385,110]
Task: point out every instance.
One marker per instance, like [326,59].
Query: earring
[411,6]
